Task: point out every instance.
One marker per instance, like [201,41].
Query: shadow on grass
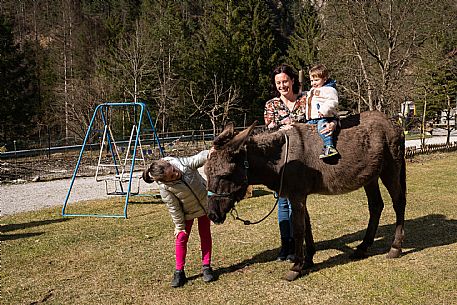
[263,257]
[260,193]
[421,233]
[151,200]
[26,225]
[5,237]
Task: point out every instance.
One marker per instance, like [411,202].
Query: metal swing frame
[102,109]
[120,176]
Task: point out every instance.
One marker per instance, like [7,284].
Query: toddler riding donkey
[321,103]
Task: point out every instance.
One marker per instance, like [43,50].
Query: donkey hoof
[308,265]
[292,275]
[358,254]
[394,253]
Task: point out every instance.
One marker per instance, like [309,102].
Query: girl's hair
[320,71]
[284,68]
[157,169]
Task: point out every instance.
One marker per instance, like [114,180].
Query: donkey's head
[226,171]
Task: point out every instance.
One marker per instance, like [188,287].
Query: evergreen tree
[259,53]
[436,71]
[303,47]
[438,82]
[237,47]
[18,98]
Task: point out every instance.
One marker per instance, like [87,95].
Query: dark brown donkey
[370,147]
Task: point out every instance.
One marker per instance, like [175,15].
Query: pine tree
[18,98]
[237,47]
[303,47]
[259,52]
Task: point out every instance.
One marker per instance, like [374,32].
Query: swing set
[118,156]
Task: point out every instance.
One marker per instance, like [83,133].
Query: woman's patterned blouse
[276,111]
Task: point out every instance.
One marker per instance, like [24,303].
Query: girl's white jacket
[186,198]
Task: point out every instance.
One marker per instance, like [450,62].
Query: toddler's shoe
[328,151]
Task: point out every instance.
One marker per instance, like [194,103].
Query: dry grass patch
[47,259]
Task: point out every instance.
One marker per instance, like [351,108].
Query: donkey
[287,161]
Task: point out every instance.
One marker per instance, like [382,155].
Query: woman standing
[288,107]
[280,112]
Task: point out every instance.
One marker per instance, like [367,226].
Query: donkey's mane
[267,142]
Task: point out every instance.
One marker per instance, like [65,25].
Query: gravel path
[433,140]
[16,198]
[24,197]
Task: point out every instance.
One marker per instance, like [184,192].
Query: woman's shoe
[208,275]
[290,258]
[179,279]
[282,256]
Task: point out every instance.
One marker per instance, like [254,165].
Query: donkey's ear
[238,141]
[225,136]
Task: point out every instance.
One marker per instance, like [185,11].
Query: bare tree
[448,111]
[217,104]
[130,62]
[165,78]
[61,38]
[371,43]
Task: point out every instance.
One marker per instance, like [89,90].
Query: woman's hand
[329,127]
[286,127]
[271,125]
[211,150]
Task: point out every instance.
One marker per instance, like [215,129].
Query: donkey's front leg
[309,240]
[301,232]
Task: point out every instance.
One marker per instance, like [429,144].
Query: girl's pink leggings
[205,242]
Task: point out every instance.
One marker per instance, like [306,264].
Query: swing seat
[118,180]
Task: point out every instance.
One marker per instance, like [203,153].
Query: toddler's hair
[320,71]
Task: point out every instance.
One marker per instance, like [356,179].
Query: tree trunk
[448,119]
[423,122]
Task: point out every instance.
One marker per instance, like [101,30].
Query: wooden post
[301,79]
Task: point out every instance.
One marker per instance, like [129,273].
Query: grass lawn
[51,260]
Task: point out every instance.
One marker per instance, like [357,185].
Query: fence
[411,152]
[59,162]
[178,142]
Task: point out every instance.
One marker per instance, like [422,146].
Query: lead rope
[248,222]
[196,197]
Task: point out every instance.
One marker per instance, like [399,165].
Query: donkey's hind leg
[395,183]
[375,206]
[310,248]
